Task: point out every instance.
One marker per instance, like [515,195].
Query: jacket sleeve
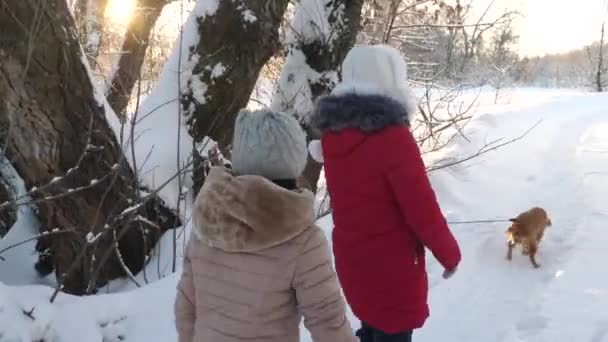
[417,201]
[318,293]
[184,302]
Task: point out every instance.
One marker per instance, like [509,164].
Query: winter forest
[114,112]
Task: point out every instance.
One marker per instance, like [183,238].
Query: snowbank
[162,142]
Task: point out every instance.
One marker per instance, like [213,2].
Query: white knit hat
[377,70]
[268,144]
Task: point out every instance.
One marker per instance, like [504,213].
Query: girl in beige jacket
[256,263]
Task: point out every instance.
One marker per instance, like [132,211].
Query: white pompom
[315,150]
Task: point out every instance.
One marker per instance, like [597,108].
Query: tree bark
[133,51]
[324,53]
[236,42]
[68,156]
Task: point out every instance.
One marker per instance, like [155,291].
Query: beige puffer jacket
[256,265]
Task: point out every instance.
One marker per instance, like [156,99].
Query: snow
[247,14]
[17,268]
[206,8]
[159,131]
[293,90]
[561,165]
[310,23]
[218,70]
[199,89]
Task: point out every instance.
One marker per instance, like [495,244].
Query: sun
[120,11]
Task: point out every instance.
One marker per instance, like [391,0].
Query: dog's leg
[533,248]
[540,236]
[510,250]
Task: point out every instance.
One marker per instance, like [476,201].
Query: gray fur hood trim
[367,112]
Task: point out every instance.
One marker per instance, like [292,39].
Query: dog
[527,230]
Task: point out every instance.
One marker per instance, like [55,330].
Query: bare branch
[492,146]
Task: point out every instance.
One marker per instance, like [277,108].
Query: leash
[480,221]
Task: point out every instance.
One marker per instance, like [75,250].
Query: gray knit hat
[268,144]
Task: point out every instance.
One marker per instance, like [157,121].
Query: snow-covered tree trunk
[236,42]
[320,36]
[133,52]
[61,144]
[237,38]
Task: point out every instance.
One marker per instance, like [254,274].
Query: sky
[554,26]
[546,26]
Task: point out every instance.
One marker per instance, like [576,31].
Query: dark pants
[369,334]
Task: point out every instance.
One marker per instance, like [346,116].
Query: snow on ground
[26,227]
[493,300]
[562,165]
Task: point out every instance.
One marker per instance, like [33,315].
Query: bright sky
[554,26]
[119,11]
[547,26]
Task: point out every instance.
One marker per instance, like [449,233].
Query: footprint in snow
[114,330]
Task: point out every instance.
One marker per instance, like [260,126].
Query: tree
[101,223]
[237,40]
[601,68]
[320,36]
[133,52]
[501,57]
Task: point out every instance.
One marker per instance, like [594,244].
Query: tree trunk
[64,149]
[133,53]
[323,41]
[237,40]
[599,84]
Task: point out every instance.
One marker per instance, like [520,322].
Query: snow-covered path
[563,166]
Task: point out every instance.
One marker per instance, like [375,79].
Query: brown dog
[527,229]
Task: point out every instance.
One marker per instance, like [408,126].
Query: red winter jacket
[384,209]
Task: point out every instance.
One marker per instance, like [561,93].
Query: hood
[379,70]
[351,117]
[249,213]
[367,113]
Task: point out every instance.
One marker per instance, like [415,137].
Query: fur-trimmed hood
[367,112]
[372,95]
[249,213]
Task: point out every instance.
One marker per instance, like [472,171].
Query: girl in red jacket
[384,209]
